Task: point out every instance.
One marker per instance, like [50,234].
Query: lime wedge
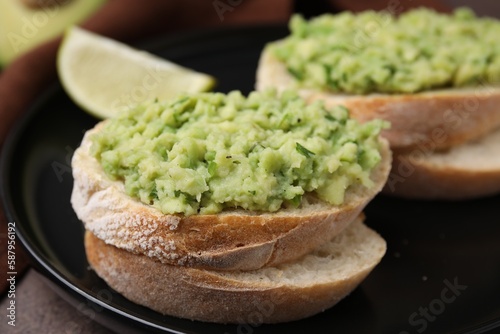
[104,76]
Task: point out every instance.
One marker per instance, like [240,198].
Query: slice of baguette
[454,115]
[269,295]
[234,239]
[466,171]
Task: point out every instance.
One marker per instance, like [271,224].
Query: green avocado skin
[22,27]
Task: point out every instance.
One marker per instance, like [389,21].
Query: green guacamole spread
[376,52]
[207,152]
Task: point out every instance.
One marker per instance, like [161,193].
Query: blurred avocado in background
[25,24]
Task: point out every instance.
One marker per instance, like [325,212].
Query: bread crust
[230,297]
[231,240]
[446,117]
[468,171]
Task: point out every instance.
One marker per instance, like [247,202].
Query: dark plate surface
[441,273]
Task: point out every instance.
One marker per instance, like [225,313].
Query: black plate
[441,272]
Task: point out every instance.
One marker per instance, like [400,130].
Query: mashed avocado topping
[377,52]
[207,152]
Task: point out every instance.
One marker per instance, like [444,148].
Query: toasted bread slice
[230,240]
[466,171]
[286,292]
[448,117]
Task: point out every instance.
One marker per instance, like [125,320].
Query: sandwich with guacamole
[194,206]
[435,77]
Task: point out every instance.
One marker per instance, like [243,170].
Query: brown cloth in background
[128,21]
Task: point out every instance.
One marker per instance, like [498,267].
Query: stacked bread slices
[293,263]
